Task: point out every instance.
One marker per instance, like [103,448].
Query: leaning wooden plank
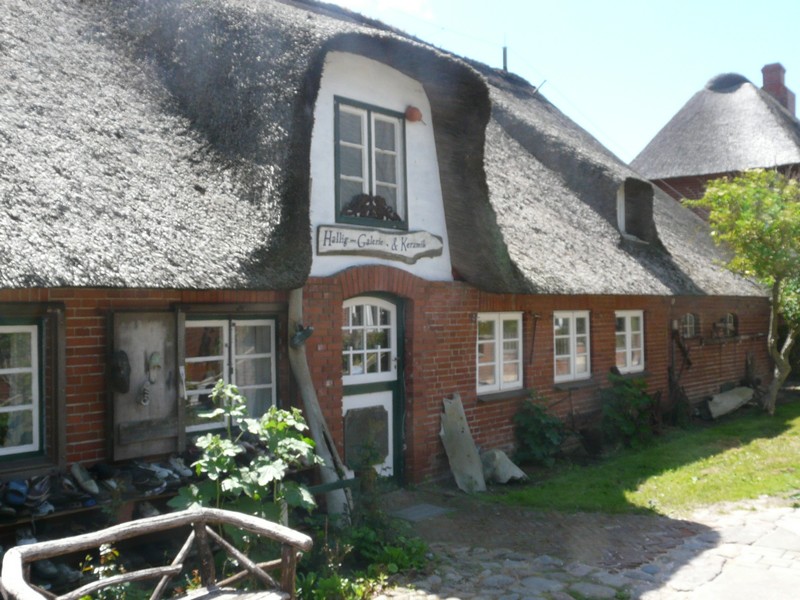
[462,454]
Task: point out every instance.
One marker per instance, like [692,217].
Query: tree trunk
[338,501]
[779,356]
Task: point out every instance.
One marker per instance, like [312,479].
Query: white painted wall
[358,78]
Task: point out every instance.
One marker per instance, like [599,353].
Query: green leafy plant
[539,434]
[627,411]
[254,483]
[108,566]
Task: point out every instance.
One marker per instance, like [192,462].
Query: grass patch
[742,456]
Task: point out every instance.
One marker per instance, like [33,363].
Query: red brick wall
[86,315]
[440,332]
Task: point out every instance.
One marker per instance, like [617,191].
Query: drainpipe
[338,501]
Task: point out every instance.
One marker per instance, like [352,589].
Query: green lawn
[742,456]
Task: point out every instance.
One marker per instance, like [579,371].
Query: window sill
[635,374]
[504,395]
[579,384]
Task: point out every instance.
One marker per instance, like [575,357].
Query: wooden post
[207,570]
[289,559]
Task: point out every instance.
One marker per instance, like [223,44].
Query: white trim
[34,406]
[572,337]
[498,358]
[627,335]
[350,353]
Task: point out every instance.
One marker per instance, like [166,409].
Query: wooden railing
[16,583]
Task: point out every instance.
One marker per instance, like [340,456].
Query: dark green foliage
[539,434]
[627,411]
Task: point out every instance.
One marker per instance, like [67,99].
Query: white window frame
[348,353]
[572,337]
[689,325]
[228,359]
[369,115]
[499,360]
[627,336]
[34,405]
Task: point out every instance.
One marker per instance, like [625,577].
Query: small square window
[629,336]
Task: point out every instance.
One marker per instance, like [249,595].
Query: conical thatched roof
[166,144]
[730,125]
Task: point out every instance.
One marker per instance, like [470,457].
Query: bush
[539,434]
[627,412]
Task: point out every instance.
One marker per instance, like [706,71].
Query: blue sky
[619,68]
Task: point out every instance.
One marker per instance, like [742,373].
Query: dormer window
[370,165]
[635,211]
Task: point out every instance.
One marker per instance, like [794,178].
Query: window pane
[581,347]
[620,324]
[385,168]
[15,350]
[373,362]
[350,128]
[388,193]
[562,366]
[203,375]
[253,371]
[510,351]
[581,364]
[580,325]
[636,358]
[378,338]
[386,358]
[353,340]
[486,375]
[487,350]
[371,315]
[385,135]
[258,400]
[510,372]
[349,190]
[486,330]
[636,323]
[204,341]
[562,347]
[386,317]
[636,340]
[253,339]
[351,162]
[357,315]
[16,389]
[16,428]
[620,342]
[510,329]
[357,367]
[561,326]
[622,359]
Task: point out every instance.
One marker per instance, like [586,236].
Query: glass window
[629,336]
[688,325]
[241,352]
[369,346]
[370,165]
[20,412]
[499,352]
[571,346]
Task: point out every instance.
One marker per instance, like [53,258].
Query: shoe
[43,509]
[159,472]
[156,490]
[176,464]
[38,491]
[83,479]
[16,492]
[25,537]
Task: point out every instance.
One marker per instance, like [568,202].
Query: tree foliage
[757,216]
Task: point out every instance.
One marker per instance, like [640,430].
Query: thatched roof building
[730,125]
[166,145]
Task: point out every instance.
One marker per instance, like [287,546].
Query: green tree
[757,216]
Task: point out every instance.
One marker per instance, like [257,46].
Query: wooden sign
[405,246]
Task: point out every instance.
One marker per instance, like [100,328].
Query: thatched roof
[730,125]
[166,144]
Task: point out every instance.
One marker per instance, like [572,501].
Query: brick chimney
[774,85]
